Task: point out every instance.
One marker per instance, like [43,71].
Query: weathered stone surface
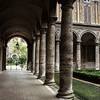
[78,55]
[97,56]
[34,48]
[37,55]
[42,58]
[50,53]
[57,55]
[66,56]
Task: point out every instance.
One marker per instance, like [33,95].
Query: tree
[21,52]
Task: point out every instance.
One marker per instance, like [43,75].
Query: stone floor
[22,85]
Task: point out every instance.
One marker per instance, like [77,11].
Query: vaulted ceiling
[22,16]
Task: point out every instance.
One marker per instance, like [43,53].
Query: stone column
[50,53]
[66,55]
[27,58]
[57,55]
[30,57]
[42,63]
[79,55]
[34,47]
[97,56]
[4,58]
[37,54]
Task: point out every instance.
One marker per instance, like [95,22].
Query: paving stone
[22,85]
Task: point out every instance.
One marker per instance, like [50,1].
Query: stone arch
[77,35]
[15,55]
[89,31]
[25,39]
[88,39]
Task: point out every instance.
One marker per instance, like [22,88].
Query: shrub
[92,76]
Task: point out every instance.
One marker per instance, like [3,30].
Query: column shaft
[66,55]
[4,58]
[78,55]
[57,56]
[34,45]
[50,53]
[97,57]
[37,55]
[30,57]
[42,63]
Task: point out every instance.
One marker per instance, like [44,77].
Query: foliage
[22,59]
[88,75]
[21,52]
[9,61]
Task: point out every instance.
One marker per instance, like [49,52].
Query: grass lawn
[84,91]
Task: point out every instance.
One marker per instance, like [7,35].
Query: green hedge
[92,76]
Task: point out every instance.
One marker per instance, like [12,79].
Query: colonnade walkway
[22,85]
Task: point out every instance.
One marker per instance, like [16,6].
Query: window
[86,1]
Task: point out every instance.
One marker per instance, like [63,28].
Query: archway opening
[88,51]
[16,54]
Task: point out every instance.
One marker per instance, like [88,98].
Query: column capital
[37,34]
[34,38]
[79,41]
[66,1]
[43,30]
[44,25]
[52,19]
[65,7]
[97,44]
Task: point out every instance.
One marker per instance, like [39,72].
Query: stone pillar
[37,54]
[27,58]
[34,47]
[30,57]
[4,58]
[42,59]
[79,55]
[57,55]
[66,55]
[50,53]
[97,56]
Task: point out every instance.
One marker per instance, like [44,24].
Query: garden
[84,90]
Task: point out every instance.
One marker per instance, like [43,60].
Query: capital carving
[43,30]
[34,38]
[65,1]
[52,20]
[58,34]
[97,44]
[37,34]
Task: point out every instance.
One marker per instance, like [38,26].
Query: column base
[97,69]
[36,74]
[40,77]
[79,68]
[50,83]
[65,96]
[27,69]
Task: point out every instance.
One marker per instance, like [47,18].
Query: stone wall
[84,12]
